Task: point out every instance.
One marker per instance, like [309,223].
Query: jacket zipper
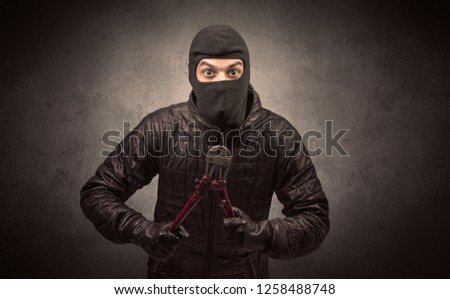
[211,228]
[209,248]
[224,140]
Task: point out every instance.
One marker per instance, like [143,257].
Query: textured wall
[70,72]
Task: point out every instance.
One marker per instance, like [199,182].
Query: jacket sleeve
[305,205]
[128,168]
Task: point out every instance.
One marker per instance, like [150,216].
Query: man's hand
[159,243]
[244,234]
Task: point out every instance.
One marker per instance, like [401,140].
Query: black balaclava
[221,103]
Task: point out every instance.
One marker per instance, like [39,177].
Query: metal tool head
[218,160]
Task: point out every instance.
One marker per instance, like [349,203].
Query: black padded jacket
[268,157]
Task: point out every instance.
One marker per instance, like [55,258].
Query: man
[268,156]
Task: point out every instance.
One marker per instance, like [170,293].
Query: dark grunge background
[71,70]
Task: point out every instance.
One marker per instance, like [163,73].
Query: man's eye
[208,72]
[233,73]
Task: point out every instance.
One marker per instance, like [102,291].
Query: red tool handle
[221,187]
[191,203]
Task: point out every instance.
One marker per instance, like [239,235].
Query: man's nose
[221,76]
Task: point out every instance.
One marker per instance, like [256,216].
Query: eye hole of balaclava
[221,103]
[213,69]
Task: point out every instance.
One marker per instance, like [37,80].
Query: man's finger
[237,212]
[169,238]
[181,232]
[233,222]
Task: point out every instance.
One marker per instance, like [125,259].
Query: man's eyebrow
[235,64]
[205,63]
[211,66]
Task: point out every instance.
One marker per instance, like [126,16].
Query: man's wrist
[267,235]
[137,235]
